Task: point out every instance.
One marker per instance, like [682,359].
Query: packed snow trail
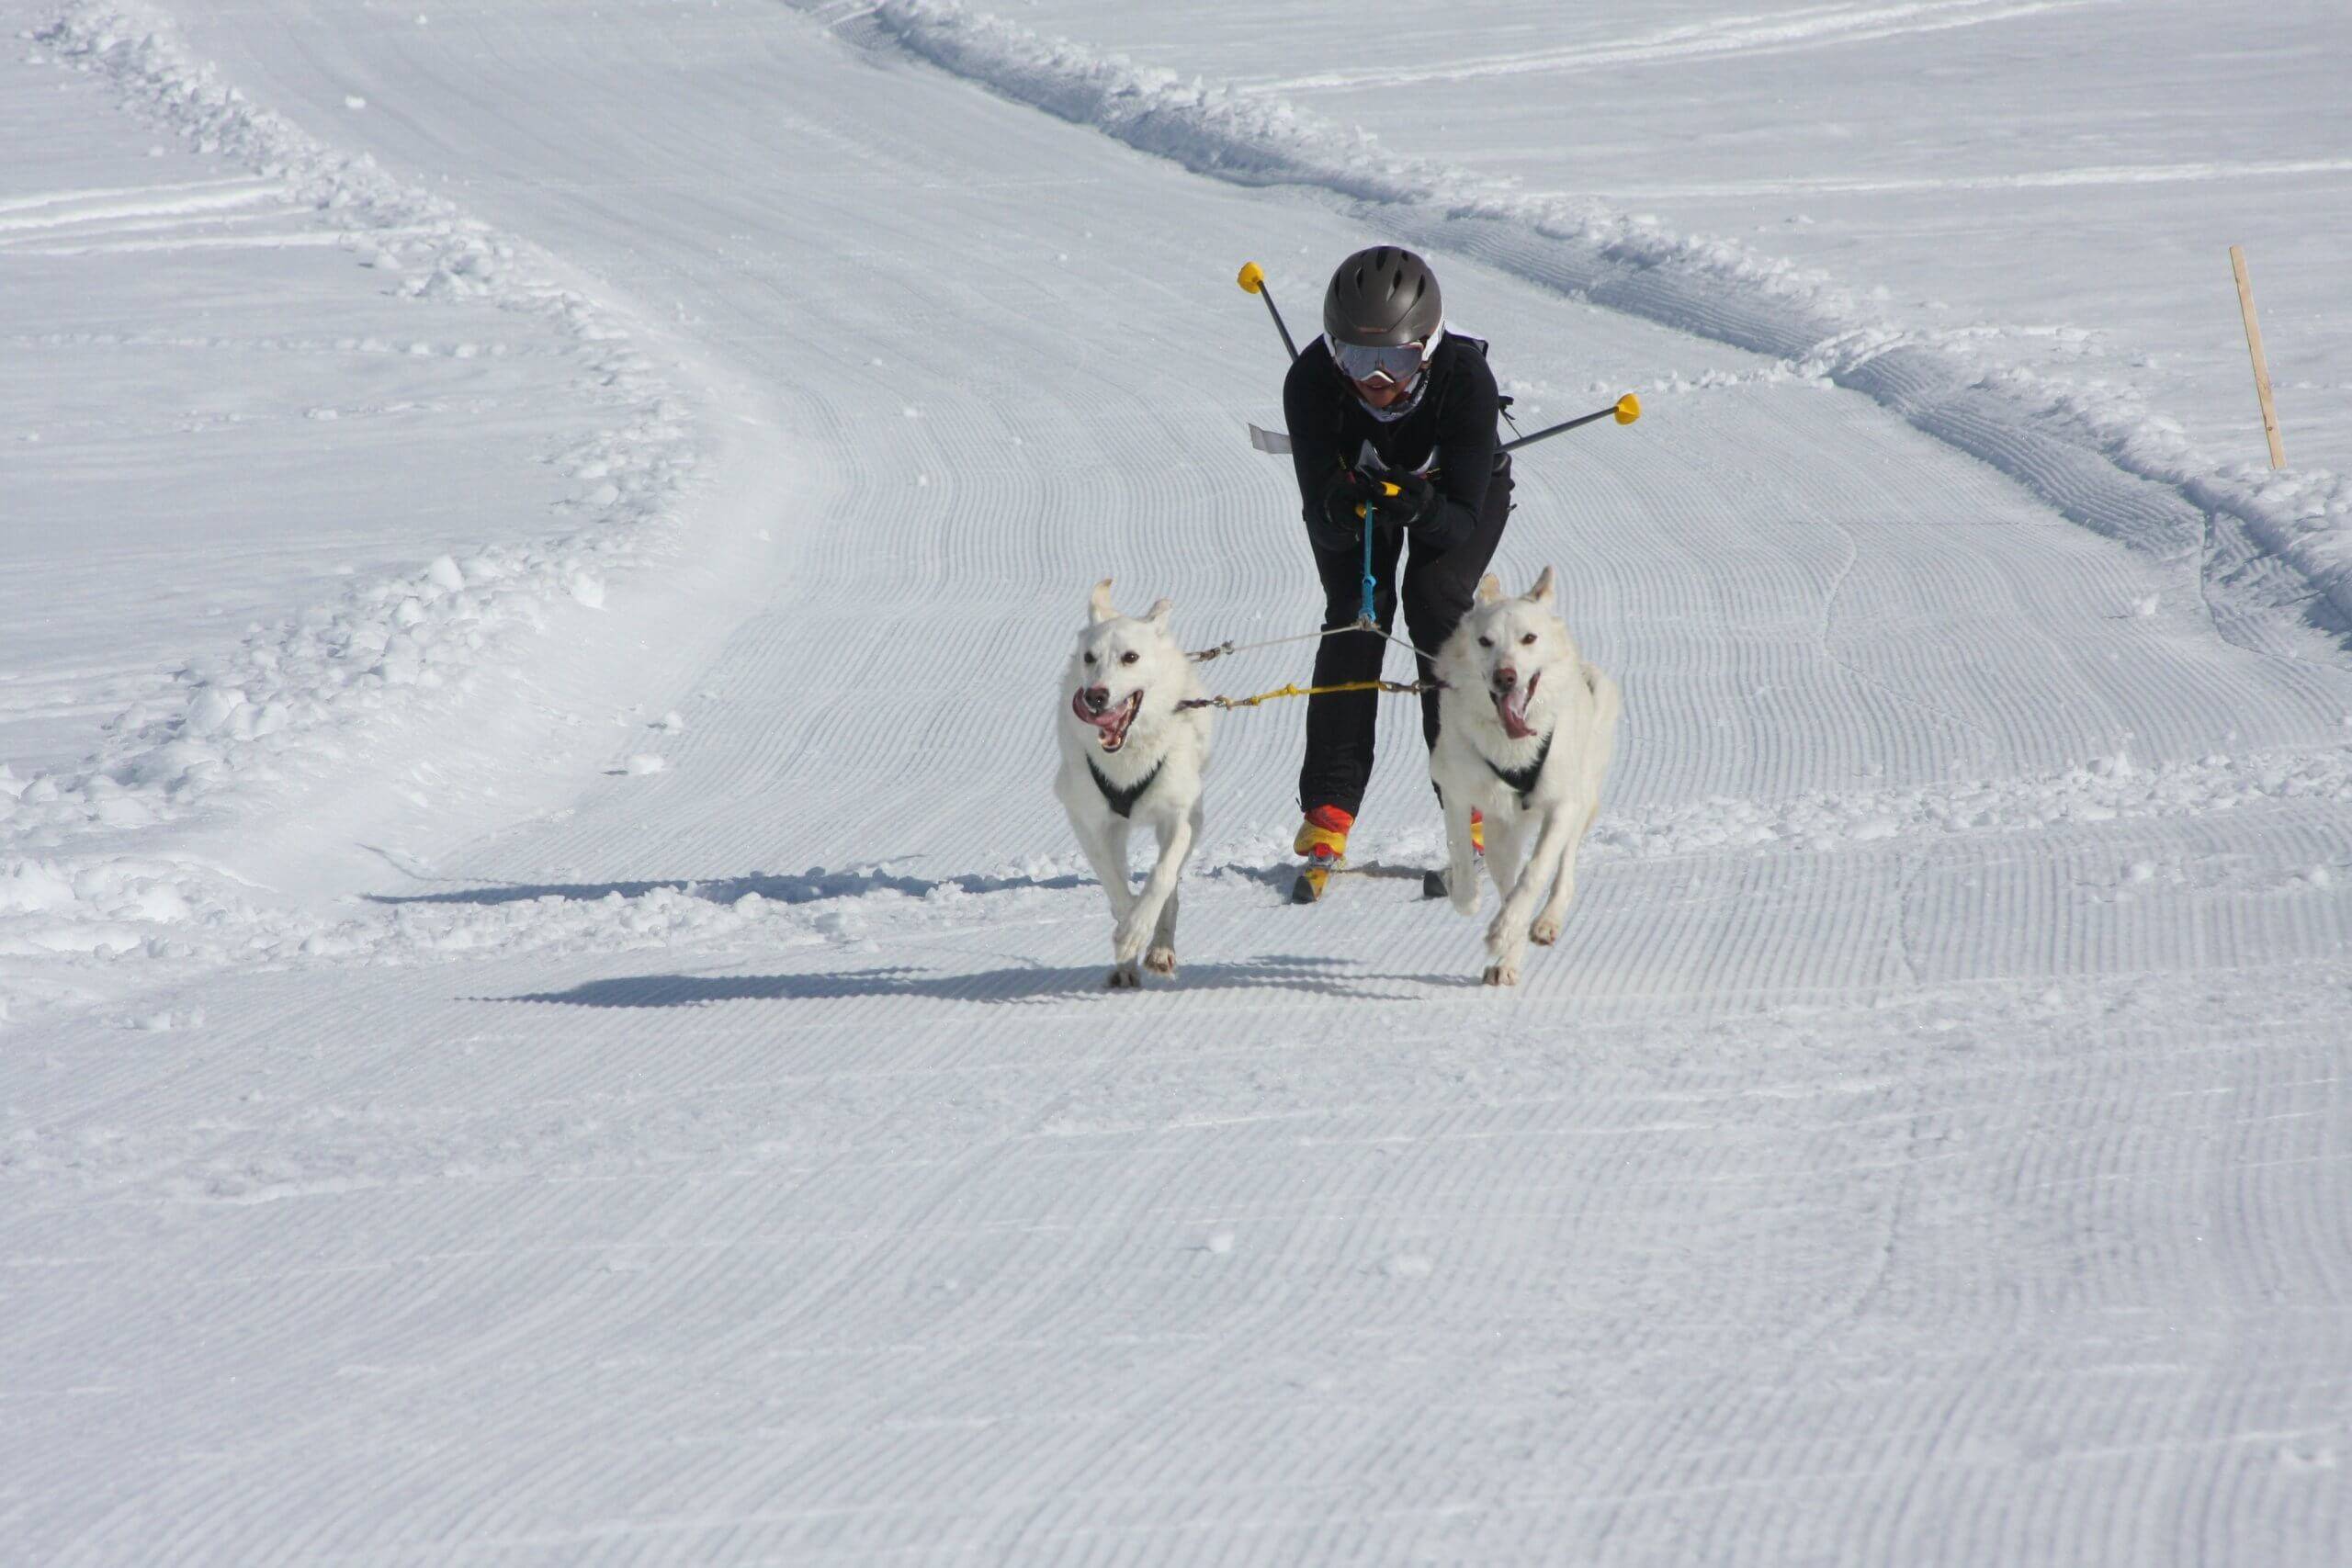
[1926,1144]
[2093,421]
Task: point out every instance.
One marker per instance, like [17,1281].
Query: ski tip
[1433,885]
[1308,888]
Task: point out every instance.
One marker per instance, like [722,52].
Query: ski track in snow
[153,207]
[2093,452]
[1803,28]
[2046,179]
[1926,1145]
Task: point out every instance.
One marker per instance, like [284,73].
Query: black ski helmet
[1382,297]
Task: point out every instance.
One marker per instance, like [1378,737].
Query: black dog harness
[1521,780]
[1121,802]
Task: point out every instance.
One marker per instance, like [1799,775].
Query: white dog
[1526,730]
[1129,755]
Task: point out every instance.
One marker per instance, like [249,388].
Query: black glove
[1414,506]
[1335,523]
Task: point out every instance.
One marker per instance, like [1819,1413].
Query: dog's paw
[1129,938]
[1125,978]
[1545,932]
[1161,961]
[1502,973]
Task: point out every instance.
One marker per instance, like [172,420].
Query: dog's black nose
[1098,698]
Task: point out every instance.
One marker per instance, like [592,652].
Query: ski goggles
[1393,363]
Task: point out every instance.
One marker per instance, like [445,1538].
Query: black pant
[1438,591]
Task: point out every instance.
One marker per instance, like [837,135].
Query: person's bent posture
[1392,427]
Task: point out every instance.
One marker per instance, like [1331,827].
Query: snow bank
[298,702]
[106,906]
[171,917]
[2092,451]
[2107,789]
[174,917]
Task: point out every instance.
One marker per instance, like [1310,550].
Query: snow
[547,1010]
[1942,380]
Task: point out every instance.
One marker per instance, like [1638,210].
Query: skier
[1386,399]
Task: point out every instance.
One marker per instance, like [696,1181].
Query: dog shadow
[809,887]
[1022,985]
[816,885]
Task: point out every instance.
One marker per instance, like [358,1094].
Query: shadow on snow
[817,883]
[778,887]
[1021,984]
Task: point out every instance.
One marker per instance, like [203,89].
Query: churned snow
[231,727]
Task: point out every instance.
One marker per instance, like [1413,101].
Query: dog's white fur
[1118,660]
[1512,665]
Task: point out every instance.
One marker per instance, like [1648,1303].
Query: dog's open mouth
[1511,707]
[1112,721]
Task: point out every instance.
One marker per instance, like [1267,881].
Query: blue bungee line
[1367,619]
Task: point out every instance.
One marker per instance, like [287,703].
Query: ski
[1314,882]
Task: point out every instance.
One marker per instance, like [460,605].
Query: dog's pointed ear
[1158,615]
[1545,591]
[1098,603]
[1491,588]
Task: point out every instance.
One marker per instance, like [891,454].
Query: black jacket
[1452,430]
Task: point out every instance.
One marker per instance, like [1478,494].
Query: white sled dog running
[1130,756]
[1526,730]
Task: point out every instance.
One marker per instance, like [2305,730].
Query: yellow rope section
[1400,687]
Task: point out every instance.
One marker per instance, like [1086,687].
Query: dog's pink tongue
[1513,706]
[1104,720]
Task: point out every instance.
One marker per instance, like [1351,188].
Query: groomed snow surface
[546,1012]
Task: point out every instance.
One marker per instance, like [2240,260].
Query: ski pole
[1253,281]
[1627,408]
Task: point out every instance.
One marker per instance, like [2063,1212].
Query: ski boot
[1434,882]
[1323,839]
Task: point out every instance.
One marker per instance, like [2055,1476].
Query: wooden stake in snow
[2261,366]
